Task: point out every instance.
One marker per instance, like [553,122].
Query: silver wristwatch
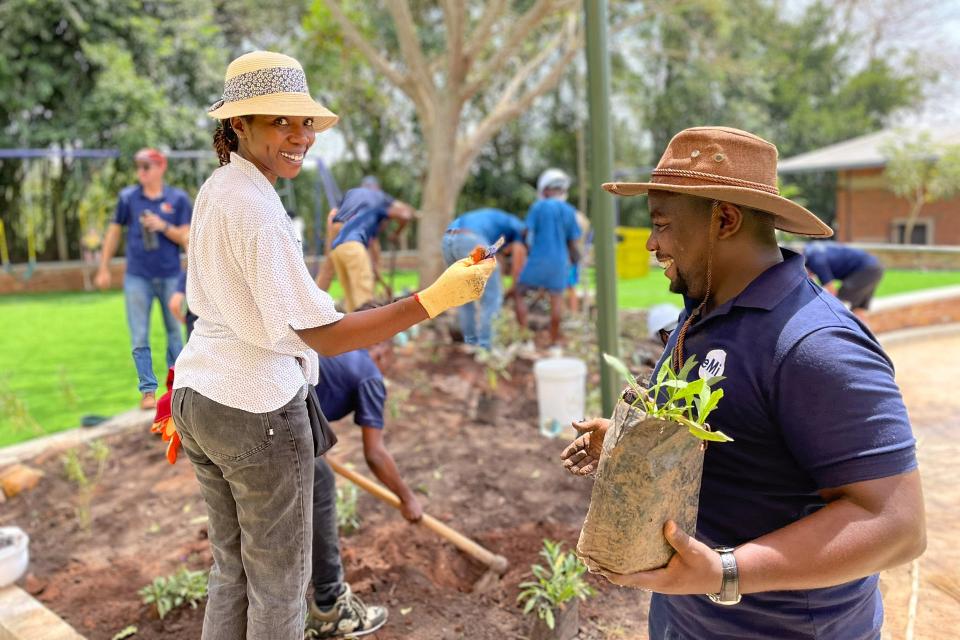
[730,587]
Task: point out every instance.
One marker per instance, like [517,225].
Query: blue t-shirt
[361,211]
[551,224]
[174,207]
[351,382]
[811,403]
[831,261]
[490,224]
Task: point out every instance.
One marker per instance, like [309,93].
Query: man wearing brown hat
[819,490]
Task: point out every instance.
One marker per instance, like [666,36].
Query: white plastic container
[561,386]
[14,554]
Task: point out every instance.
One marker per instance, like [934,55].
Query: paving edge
[135,419]
[25,618]
[899,336]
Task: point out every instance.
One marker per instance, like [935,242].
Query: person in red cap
[157,220]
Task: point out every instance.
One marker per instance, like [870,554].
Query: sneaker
[148,401]
[348,617]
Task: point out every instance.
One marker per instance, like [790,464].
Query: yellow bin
[633,259]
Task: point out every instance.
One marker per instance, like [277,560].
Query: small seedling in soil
[170,592]
[86,485]
[557,584]
[689,403]
[348,519]
[126,632]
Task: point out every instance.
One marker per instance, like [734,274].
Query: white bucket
[561,386]
[14,554]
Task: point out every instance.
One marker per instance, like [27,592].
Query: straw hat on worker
[727,165]
[264,82]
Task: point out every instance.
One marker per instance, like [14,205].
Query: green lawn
[67,355]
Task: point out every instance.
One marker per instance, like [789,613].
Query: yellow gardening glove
[462,282]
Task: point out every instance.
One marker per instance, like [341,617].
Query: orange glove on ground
[163,421]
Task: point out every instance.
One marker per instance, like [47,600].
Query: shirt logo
[166,207]
[713,364]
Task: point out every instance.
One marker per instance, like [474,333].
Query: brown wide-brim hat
[729,165]
[268,83]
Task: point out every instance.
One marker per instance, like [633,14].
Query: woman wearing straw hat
[818,491]
[241,382]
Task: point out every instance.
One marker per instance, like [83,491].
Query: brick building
[867,211]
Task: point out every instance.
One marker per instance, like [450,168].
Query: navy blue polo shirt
[490,224]
[362,199]
[352,383]
[174,206]
[811,403]
[830,261]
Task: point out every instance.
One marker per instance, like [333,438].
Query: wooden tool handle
[496,562]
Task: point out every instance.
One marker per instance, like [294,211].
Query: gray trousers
[327,565]
[256,476]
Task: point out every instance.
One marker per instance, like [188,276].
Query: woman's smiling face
[275,144]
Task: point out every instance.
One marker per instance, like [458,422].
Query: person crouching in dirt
[351,382]
[819,490]
[240,397]
[552,232]
[355,250]
[483,227]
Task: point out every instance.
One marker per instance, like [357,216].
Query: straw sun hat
[729,165]
[264,82]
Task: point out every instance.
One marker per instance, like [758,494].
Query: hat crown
[722,155]
[258,60]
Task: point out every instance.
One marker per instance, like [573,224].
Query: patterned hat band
[262,82]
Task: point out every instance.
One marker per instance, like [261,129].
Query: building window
[922,232]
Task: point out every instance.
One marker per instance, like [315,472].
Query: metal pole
[601,202]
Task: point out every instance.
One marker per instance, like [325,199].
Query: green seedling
[170,592]
[86,484]
[126,632]
[689,403]
[348,518]
[556,584]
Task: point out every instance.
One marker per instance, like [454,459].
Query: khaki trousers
[351,260]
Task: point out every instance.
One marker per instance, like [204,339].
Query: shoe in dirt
[148,401]
[348,617]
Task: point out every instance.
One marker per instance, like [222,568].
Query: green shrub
[560,582]
[170,592]
[348,519]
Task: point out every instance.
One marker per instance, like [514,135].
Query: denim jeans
[138,294]
[256,476]
[327,566]
[456,246]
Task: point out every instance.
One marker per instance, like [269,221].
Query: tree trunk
[440,190]
[912,218]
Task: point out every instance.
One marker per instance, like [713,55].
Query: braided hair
[225,140]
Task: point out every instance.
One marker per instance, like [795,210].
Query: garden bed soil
[497,481]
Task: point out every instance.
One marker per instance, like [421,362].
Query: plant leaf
[617,365]
[703,434]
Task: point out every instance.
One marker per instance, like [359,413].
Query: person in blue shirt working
[819,490]
[351,383]
[859,272]
[157,218]
[354,251]
[483,227]
[552,231]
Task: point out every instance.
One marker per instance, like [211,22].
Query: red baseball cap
[151,155]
